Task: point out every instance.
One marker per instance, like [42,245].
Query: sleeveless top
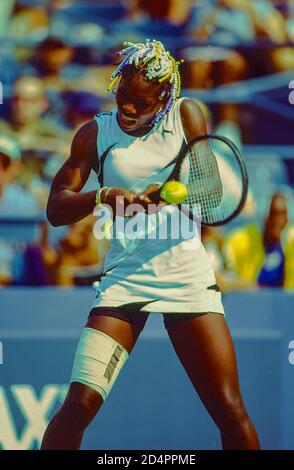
[155,252]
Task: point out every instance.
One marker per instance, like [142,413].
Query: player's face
[138,100]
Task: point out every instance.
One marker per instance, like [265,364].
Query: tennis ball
[174,192]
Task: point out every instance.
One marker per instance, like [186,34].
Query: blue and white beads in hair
[158,64]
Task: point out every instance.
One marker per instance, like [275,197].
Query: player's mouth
[125,121]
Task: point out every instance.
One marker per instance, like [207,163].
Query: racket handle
[155,197]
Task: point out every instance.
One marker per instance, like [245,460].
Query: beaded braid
[158,63]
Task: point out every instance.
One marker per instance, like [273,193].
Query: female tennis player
[129,147]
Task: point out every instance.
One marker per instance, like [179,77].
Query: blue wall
[152,404]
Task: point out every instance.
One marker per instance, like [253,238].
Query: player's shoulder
[105,118]
[85,138]
[191,109]
[104,114]
[193,119]
[87,130]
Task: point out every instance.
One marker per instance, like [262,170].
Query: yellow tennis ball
[174,192]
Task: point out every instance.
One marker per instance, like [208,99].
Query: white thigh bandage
[98,361]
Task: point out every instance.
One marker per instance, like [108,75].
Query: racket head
[213,161]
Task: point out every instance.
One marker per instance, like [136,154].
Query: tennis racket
[215,174]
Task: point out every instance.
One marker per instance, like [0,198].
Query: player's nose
[128,108]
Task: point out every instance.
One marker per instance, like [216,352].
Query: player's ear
[162,95]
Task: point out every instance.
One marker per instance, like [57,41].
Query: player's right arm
[66,205]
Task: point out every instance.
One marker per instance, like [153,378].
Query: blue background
[153,404]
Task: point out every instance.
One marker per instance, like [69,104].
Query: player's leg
[204,347]
[103,349]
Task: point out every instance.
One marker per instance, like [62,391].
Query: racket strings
[215,181]
[204,185]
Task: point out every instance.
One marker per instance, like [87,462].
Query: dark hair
[160,67]
[131,70]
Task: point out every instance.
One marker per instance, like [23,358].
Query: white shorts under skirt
[176,281]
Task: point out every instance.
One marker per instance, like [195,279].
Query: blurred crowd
[56,57]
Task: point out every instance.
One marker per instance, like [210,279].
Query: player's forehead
[139,85]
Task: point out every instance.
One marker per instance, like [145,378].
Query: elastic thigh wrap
[98,361]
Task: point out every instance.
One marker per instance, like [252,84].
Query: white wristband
[98,194]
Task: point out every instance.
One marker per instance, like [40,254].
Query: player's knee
[83,406]
[233,411]
[98,361]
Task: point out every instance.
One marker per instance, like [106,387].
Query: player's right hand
[119,199]
[147,203]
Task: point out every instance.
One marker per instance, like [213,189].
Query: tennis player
[130,147]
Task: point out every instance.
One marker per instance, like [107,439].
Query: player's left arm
[194,125]
[193,120]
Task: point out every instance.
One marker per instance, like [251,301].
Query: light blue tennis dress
[153,259]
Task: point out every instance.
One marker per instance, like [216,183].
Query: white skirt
[179,279]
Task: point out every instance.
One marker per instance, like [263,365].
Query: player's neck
[140,132]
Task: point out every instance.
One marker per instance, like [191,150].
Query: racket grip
[155,196]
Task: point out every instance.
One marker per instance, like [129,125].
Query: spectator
[61,68]
[52,63]
[26,121]
[226,279]
[15,200]
[281,58]
[76,259]
[209,66]
[80,107]
[29,22]
[234,23]
[6,263]
[48,254]
[52,55]
[80,255]
[170,11]
[264,20]
[264,256]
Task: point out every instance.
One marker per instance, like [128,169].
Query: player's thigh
[205,348]
[124,332]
